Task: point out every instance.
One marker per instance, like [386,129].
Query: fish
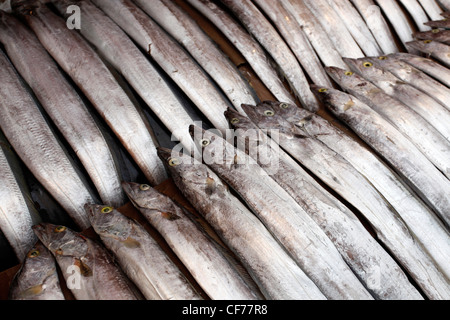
[417,13]
[418,217]
[34,141]
[434,49]
[410,123]
[439,35]
[336,30]
[118,49]
[266,34]
[422,103]
[139,255]
[429,66]
[283,217]
[17,210]
[338,174]
[202,256]
[188,33]
[64,106]
[87,267]
[296,39]
[414,77]
[251,50]
[377,24]
[272,268]
[445,5]
[432,8]
[407,160]
[315,33]
[169,54]
[441,23]
[37,278]
[79,60]
[356,245]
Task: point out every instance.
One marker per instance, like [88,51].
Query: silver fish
[417,13]
[434,49]
[64,106]
[87,267]
[438,35]
[120,51]
[202,48]
[283,217]
[261,28]
[356,245]
[79,60]
[429,66]
[37,278]
[198,251]
[272,268]
[140,256]
[344,179]
[432,8]
[35,143]
[252,51]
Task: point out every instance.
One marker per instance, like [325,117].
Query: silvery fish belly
[202,256]
[37,278]
[88,268]
[140,256]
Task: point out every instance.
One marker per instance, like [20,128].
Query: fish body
[87,267]
[198,251]
[432,8]
[417,13]
[140,256]
[37,278]
[240,230]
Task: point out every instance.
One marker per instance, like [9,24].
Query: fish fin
[32,291]
[349,105]
[169,216]
[131,243]
[210,186]
[85,270]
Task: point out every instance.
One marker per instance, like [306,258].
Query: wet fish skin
[87,267]
[358,248]
[198,251]
[417,13]
[140,256]
[432,8]
[240,230]
[434,49]
[37,278]
[78,59]
[438,35]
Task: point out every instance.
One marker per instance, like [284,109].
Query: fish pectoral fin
[85,270]
[131,243]
[169,216]
[32,291]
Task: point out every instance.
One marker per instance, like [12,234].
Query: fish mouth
[164,153]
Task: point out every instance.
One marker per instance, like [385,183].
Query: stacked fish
[336,188]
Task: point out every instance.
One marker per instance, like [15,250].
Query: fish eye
[348,73]
[367,64]
[33,254]
[107,209]
[427,41]
[60,229]
[284,105]
[144,187]
[205,142]
[322,90]
[269,113]
[435,31]
[174,162]
[382,58]
[234,121]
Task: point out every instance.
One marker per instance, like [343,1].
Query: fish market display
[198,252]
[37,278]
[437,50]
[140,256]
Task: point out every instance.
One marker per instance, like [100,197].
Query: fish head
[367,69]
[349,80]
[264,115]
[60,240]
[335,100]
[107,221]
[421,45]
[238,120]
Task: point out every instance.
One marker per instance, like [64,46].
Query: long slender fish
[79,60]
[169,54]
[370,262]
[119,50]
[261,28]
[295,37]
[431,110]
[316,34]
[438,35]
[283,216]
[35,143]
[429,66]
[37,278]
[415,77]
[407,160]
[140,256]
[87,267]
[356,26]
[377,24]
[445,5]
[432,8]
[344,179]
[202,48]
[64,106]
[416,215]
[434,49]
[198,251]
[419,131]
[417,13]
[336,30]
[17,211]
[442,23]
[272,268]
[252,51]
